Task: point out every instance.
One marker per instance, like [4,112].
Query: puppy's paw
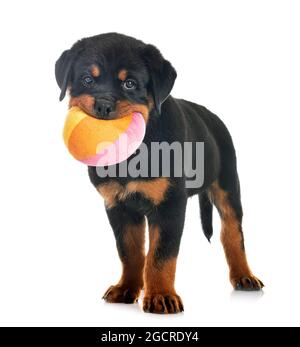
[163,304]
[120,294]
[247,283]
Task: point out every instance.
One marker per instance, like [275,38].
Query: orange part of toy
[86,136]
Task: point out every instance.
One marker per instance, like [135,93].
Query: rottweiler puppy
[109,76]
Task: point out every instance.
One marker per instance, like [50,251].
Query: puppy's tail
[206,213]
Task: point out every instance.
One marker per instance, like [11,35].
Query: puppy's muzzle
[103,108]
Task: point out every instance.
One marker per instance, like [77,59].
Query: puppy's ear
[63,71]
[162,75]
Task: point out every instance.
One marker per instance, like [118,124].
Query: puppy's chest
[155,191]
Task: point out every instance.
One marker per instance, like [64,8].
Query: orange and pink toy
[98,142]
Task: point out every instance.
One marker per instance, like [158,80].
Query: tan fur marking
[131,283]
[133,265]
[95,71]
[85,102]
[231,236]
[124,108]
[110,192]
[154,190]
[158,278]
[122,75]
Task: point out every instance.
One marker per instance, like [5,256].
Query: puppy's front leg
[165,230]
[129,230]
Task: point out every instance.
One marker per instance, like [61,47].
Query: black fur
[206,213]
[63,71]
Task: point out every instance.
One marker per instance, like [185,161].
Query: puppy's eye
[129,84]
[87,80]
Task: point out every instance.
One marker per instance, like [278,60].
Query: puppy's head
[111,75]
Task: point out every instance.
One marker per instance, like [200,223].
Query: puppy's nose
[103,107]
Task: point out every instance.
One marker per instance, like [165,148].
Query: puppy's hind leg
[230,210]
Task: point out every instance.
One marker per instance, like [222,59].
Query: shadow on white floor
[237,295]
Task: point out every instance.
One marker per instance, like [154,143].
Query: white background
[241,59]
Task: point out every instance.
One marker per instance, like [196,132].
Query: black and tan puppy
[109,76]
